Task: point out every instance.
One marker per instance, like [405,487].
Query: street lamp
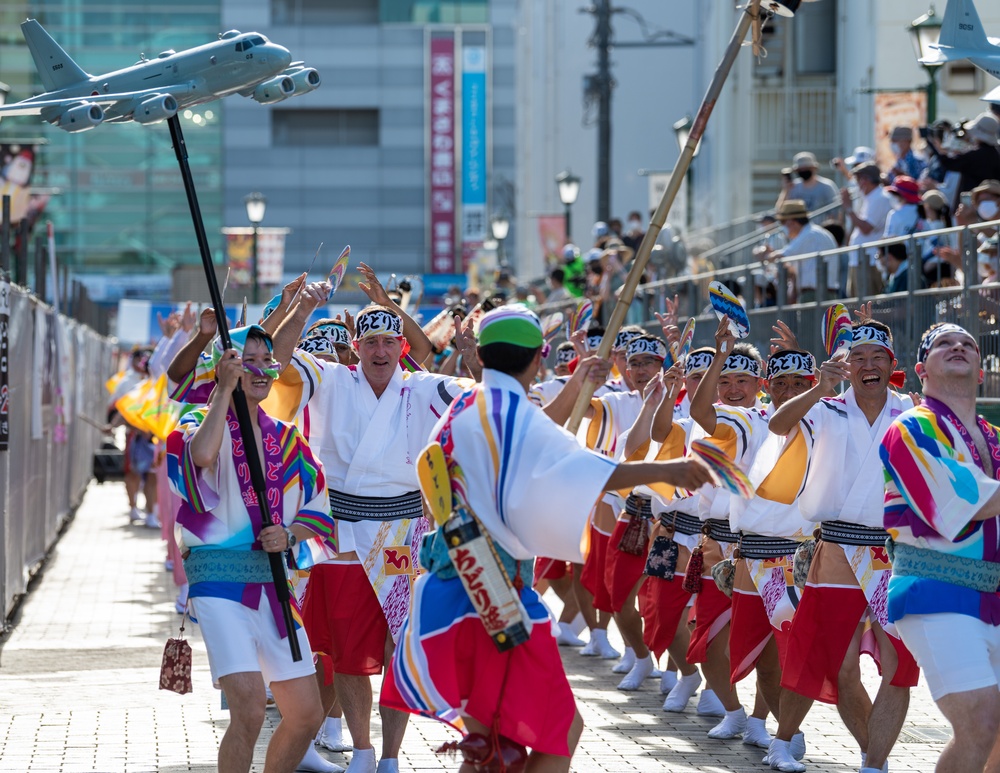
[569,189]
[682,130]
[924,33]
[256,205]
[500,226]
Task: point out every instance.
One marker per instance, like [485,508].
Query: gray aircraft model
[963,37]
[153,90]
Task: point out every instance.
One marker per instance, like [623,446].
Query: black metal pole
[5,236]
[256,274]
[569,232]
[239,399]
[602,36]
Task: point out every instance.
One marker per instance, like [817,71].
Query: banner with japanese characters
[441,132]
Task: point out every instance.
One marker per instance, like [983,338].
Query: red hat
[906,188]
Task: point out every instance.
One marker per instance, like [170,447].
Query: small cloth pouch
[175,671]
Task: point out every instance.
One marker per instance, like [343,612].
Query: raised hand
[832,372]
[784,338]
[864,312]
[654,389]
[188,318]
[372,287]
[291,290]
[229,370]
[207,324]
[348,322]
[725,340]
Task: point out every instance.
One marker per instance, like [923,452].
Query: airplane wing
[991,96]
[35,107]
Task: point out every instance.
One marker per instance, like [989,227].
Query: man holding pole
[226,560]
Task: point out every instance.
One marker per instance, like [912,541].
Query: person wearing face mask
[908,162]
[634,233]
[986,200]
[814,190]
[905,195]
[867,225]
[935,215]
[805,238]
[986,261]
[980,163]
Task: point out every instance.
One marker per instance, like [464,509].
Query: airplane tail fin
[961,30]
[55,67]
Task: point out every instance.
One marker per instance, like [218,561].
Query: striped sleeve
[197,486]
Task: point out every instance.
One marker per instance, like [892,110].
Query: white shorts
[957,652]
[240,639]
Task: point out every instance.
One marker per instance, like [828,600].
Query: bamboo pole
[750,14]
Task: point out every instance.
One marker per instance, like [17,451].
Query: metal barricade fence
[970,303]
[56,371]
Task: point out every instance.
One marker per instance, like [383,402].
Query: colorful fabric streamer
[551,325]
[687,339]
[837,329]
[336,275]
[728,305]
[579,318]
[725,471]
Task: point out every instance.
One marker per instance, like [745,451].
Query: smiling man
[942,500]
[843,611]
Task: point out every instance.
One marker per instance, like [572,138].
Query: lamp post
[256,205]
[924,33]
[500,226]
[569,189]
[682,130]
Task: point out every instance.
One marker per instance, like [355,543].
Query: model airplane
[963,37]
[153,90]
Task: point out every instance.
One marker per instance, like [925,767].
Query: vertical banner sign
[474,174]
[442,154]
[239,251]
[4,365]
[552,236]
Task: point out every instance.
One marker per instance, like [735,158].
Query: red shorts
[524,690]
[712,608]
[824,624]
[622,570]
[341,606]
[662,604]
[593,575]
[551,569]
[750,628]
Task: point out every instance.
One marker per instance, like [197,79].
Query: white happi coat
[369,448]
[845,481]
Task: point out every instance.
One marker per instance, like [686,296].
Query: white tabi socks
[637,674]
[388,765]
[331,735]
[600,646]
[565,636]
[779,757]
[624,665]
[756,733]
[732,726]
[314,762]
[668,680]
[684,690]
[363,761]
[709,704]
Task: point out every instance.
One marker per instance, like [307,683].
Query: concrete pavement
[79,683]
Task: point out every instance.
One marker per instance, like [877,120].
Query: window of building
[354,128]
[434,11]
[325,11]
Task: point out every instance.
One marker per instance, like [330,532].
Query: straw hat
[792,209]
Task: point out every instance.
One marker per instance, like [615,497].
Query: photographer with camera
[980,162]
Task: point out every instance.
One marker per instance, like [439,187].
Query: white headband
[740,363]
[697,362]
[932,335]
[594,341]
[646,345]
[623,338]
[565,356]
[866,334]
[377,322]
[337,335]
[319,345]
[791,364]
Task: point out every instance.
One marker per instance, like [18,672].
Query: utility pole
[602,38]
[599,86]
